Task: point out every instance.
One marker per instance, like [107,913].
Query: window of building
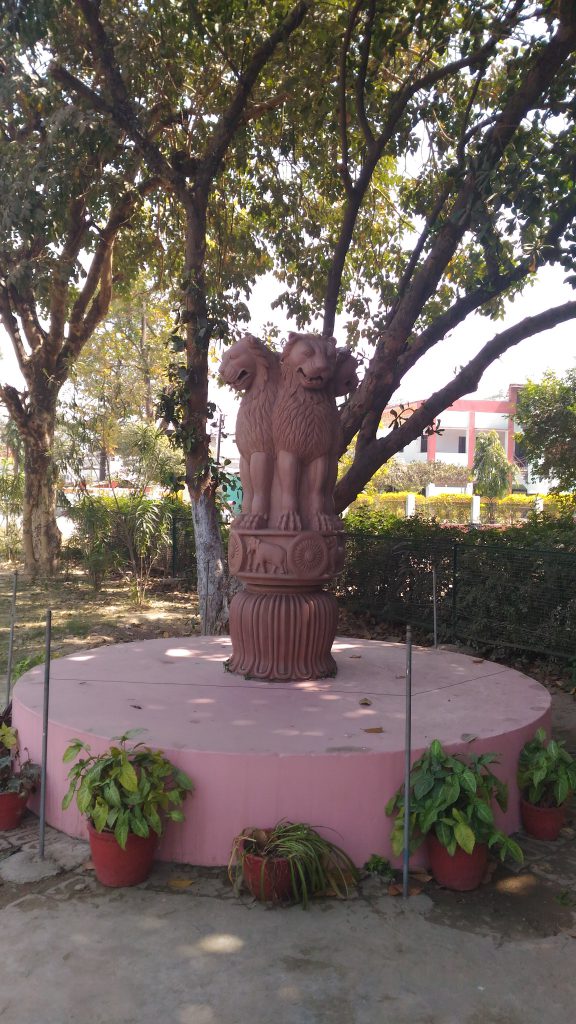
[423,443]
[462,444]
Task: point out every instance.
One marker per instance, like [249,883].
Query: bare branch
[11,325]
[465,382]
[361,77]
[231,119]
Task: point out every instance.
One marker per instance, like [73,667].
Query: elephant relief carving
[264,556]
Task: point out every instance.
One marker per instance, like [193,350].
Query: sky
[554,349]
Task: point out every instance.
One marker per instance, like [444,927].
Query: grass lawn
[82,618]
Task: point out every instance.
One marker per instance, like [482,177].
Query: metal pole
[434,607]
[219,438]
[11,637]
[45,732]
[174,561]
[407,759]
[206,585]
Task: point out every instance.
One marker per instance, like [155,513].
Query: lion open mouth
[319,379]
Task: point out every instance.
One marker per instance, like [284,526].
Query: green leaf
[465,837]
[72,751]
[121,830]
[100,814]
[139,826]
[128,778]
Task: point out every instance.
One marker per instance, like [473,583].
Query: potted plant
[451,799]
[546,779]
[290,861]
[18,779]
[127,793]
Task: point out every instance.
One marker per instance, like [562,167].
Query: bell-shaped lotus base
[283,636]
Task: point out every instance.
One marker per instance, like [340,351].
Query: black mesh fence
[497,596]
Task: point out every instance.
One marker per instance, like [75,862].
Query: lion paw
[322,522]
[289,521]
[256,521]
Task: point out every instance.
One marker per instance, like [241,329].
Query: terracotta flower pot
[116,867]
[462,871]
[542,822]
[12,807]
[268,879]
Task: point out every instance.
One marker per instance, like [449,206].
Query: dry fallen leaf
[420,875]
[397,889]
[377,728]
[365,702]
[180,884]
[355,655]
[477,661]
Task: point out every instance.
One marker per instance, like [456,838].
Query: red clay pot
[116,867]
[542,822]
[462,871]
[268,879]
[12,807]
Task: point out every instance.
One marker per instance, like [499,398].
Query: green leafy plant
[316,864]
[377,865]
[126,789]
[16,776]
[546,771]
[451,796]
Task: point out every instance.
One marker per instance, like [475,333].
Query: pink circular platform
[258,751]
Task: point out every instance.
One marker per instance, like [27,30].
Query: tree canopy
[546,415]
[491,469]
[407,165]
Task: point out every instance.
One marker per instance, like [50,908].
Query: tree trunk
[210,565]
[41,536]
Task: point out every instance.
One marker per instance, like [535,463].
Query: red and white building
[460,425]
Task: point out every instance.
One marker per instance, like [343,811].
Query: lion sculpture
[250,367]
[304,420]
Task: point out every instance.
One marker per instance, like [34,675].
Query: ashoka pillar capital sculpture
[287,543]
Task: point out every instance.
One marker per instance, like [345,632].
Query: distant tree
[547,418]
[492,471]
[123,367]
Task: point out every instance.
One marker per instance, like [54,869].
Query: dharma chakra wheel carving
[287,543]
[308,555]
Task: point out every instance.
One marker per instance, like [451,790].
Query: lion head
[311,359]
[345,377]
[246,361]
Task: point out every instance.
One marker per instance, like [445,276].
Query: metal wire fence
[497,596]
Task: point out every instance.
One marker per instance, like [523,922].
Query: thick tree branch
[77,232]
[12,328]
[232,117]
[382,372]
[365,47]
[396,109]
[465,382]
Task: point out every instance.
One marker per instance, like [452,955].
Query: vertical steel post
[207,584]
[454,588]
[173,546]
[45,732]
[11,637]
[407,759]
[434,607]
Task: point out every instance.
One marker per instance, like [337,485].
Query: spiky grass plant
[316,864]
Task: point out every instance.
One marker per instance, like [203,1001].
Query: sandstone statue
[249,366]
[287,543]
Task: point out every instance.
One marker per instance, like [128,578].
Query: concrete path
[139,957]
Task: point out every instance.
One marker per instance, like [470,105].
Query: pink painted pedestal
[260,751]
